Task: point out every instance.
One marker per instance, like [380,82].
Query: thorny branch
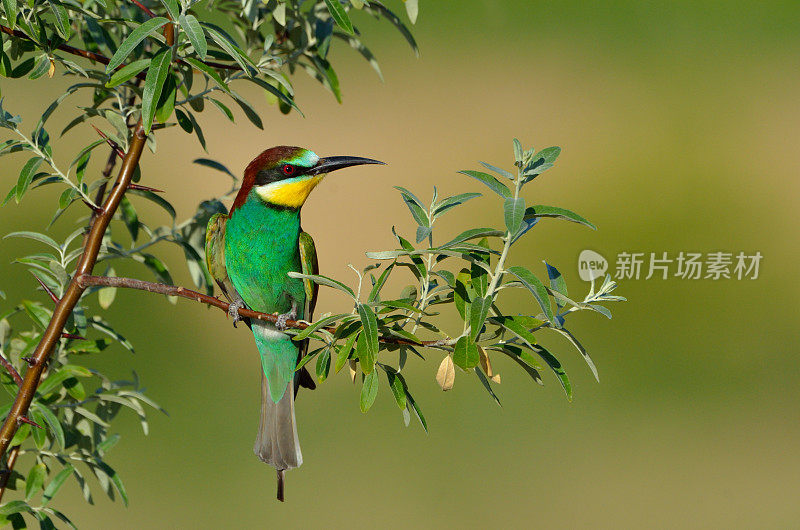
[171,290]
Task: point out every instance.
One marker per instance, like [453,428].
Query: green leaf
[62,19]
[485,382]
[324,280]
[35,236]
[153,84]
[129,217]
[363,354]
[26,176]
[184,121]
[197,37]
[452,202]
[541,210]
[39,435]
[35,480]
[514,212]
[52,422]
[537,288]
[370,337]
[417,209]
[396,385]
[136,36]
[324,364]
[498,170]
[209,71]
[12,507]
[570,337]
[106,295]
[478,312]
[340,15]
[473,233]
[465,353]
[316,325]
[376,289]
[172,8]
[519,152]
[232,49]
[149,195]
[344,352]
[11,12]
[157,267]
[492,182]
[395,20]
[223,108]
[369,390]
[55,484]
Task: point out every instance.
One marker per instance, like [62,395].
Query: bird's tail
[277,443]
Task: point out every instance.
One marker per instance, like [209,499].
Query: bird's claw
[233,310]
[280,324]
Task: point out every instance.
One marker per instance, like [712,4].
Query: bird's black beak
[332,163]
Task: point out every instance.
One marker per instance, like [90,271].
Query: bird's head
[284,176]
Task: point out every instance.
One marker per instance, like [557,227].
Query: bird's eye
[288,169]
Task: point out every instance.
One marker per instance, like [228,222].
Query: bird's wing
[215,255]
[308,265]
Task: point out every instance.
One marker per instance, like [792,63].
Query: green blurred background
[679,124]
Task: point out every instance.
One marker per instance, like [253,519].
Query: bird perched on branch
[249,253]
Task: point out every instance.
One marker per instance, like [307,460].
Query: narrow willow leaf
[478,312]
[541,210]
[210,72]
[26,176]
[485,382]
[324,280]
[374,294]
[344,352]
[153,85]
[446,374]
[62,19]
[465,353]
[514,210]
[452,202]
[323,367]
[223,109]
[106,295]
[340,15]
[537,288]
[369,390]
[47,240]
[52,422]
[492,182]
[133,40]
[232,49]
[394,19]
[570,337]
[130,217]
[316,325]
[149,195]
[473,233]
[35,479]
[11,12]
[172,8]
[519,153]
[197,37]
[364,354]
[416,207]
[498,170]
[55,484]
[370,323]
[396,385]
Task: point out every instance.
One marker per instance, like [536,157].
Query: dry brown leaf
[486,364]
[446,374]
[52,69]
[496,378]
[351,364]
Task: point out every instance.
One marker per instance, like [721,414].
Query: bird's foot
[284,317]
[233,310]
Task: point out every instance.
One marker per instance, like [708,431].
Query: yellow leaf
[351,364]
[52,69]
[496,378]
[485,363]
[446,374]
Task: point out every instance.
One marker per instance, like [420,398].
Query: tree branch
[171,290]
[74,290]
[102,59]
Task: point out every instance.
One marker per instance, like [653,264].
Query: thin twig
[11,370]
[101,58]
[172,290]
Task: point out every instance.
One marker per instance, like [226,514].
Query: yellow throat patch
[289,193]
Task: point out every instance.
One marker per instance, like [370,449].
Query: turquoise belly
[261,247]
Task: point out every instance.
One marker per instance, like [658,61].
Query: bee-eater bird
[249,253]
